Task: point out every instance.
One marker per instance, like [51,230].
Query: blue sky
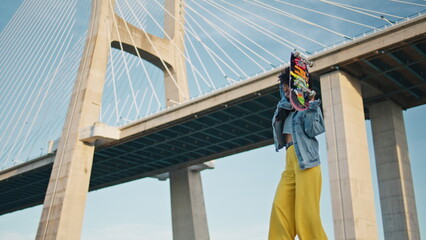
[238,192]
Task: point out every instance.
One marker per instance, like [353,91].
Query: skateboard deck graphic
[299,82]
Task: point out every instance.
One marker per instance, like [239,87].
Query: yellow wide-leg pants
[296,207]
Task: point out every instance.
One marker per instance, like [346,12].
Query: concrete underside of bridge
[388,66]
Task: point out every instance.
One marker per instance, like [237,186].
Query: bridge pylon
[65,200]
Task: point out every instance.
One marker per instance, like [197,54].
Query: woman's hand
[312,95]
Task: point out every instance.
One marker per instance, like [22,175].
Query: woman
[296,207]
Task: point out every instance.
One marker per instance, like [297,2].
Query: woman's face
[286,89]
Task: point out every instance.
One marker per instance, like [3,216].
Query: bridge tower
[64,203]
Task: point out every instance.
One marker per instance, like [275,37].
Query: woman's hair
[284,77]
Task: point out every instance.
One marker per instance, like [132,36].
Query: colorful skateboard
[299,82]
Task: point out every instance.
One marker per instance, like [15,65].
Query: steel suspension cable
[324,14]
[140,58]
[34,118]
[219,47]
[31,45]
[226,35]
[361,11]
[10,75]
[202,64]
[15,28]
[67,25]
[171,41]
[197,38]
[195,35]
[275,24]
[156,49]
[122,55]
[192,67]
[57,99]
[27,89]
[264,31]
[287,14]
[246,37]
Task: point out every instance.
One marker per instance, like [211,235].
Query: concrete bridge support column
[64,204]
[348,160]
[188,210]
[394,172]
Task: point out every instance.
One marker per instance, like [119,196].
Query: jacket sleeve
[284,104]
[277,128]
[314,121]
[281,113]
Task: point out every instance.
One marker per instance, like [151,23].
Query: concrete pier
[396,190]
[188,209]
[348,160]
[189,218]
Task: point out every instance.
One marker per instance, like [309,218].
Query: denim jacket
[305,126]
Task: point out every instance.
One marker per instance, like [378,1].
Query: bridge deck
[389,63]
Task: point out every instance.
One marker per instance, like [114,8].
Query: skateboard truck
[303,59]
[300,84]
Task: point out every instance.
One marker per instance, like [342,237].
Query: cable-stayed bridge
[157,57]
